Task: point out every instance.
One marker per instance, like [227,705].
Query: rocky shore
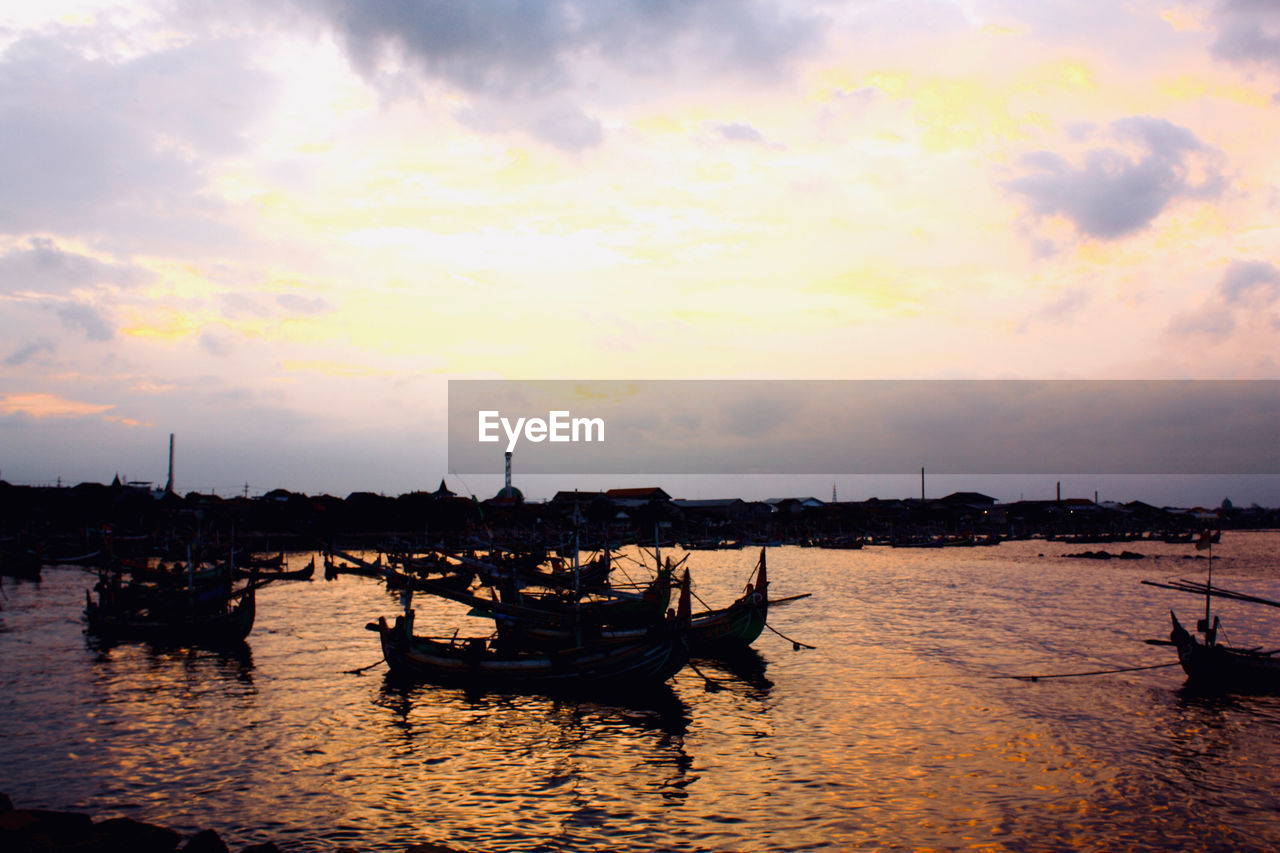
[46,831]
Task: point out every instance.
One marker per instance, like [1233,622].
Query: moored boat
[280,574]
[1217,666]
[1207,662]
[174,617]
[486,662]
[731,630]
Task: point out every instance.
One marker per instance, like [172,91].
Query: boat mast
[1207,627]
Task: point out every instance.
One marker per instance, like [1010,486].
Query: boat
[354,566]
[1219,667]
[270,561]
[517,571]
[20,558]
[1209,663]
[490,662]
[839,543]
[716,633]
[303,574]
[177,617]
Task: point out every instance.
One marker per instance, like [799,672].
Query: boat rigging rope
[796,645]
[361,669]
[1079,674]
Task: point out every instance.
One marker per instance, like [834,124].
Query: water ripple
[891,734]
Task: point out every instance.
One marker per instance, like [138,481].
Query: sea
[891,709]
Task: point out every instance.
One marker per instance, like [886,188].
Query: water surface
[896,732]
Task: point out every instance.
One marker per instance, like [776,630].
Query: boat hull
[648,661]
[730,631]
[176,627]
[1224,668]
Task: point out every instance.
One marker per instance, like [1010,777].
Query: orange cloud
[48,406]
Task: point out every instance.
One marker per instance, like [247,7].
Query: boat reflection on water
[553,762]
[229,667]
[656,708]
[745,669]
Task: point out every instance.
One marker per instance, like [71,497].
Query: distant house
[717,509]
[970,499]
[794,506]
[637,496]
[645,492]
[443,492]
[575,498]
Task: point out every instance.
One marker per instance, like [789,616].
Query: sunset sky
[276,228]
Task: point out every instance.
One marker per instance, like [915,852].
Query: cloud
[215,342]
[1066,305]
[80,315]
[1213,322]
[1247,287]
[38,405]
[1247,278]
[739,132]
[1248,32]
[1122,187]
[527,52]
[28,351]
[111,145]
[296,303]
[43,267]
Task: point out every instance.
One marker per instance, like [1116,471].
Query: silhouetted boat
[482,661]
[1217,666]
[1209,663]
[20,558]
[730,630]
[303,574]
[178,617]
[271,561]
[354,566]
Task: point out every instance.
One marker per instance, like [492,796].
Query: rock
[126,835]
[37,829]
[269,847]
[205,841]
[6,805]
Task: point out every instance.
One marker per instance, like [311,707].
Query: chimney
[168,487]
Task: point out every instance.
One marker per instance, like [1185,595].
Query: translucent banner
[865,427]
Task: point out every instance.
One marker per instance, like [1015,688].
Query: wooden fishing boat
[354,566]
[616,608]
[721,633]
[716,633]
[303,574]
[19,559]
[520,570]
[482,661]
[171,618]
[1209,663]
[270,561]
[1217,666]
